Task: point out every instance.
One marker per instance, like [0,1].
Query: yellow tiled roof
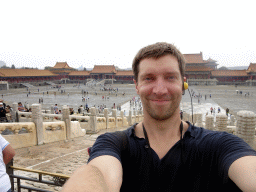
[252,67]
[197,68]
[62,65]
[194,58]
[24,72]
[124,73]
[220,73]
[104,69]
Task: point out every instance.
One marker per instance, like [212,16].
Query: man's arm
[104,173]
[243,173]
[8,154]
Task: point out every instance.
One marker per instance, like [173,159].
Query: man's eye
[148,78]
[171,77]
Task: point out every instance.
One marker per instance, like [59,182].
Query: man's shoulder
[119,134]
[200,133]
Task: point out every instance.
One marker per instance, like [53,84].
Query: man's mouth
[159,101]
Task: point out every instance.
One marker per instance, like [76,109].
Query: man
[21,107]
[2,113]
[55,108]
[163,153]
[227,111]
[7,153]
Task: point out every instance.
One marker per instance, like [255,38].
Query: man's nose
[160,87]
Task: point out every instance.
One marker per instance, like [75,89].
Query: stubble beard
[164,113]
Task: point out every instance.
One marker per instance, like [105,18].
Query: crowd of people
[5,112]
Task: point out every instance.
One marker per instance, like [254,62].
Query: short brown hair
[156,51]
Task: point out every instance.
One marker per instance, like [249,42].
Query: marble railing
[51,117]
[22,134]
[25,116]
[54,131]
[37,127]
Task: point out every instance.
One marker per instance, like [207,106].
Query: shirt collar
[190,130]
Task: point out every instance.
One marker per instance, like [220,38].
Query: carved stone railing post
[93,120]
[14,111]
[65,118]
[209,122]
[245,127]
[106,116]
[195,117]
[122,116]
[130,118]
[52,110]
[114,114]
[232,120]
[221,122]
[185,116]
[37,118]
[199,119]
[81,109]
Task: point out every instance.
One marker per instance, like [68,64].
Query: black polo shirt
[207,158]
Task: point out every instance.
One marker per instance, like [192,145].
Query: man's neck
[162,135]
[160,129]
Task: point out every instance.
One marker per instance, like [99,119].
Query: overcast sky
[84,33]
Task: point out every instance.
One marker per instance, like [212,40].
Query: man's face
[160,86]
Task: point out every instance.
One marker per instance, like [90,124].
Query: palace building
[26,75]
[197,71]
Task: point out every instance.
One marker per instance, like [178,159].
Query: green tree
[223,68]
[47,68]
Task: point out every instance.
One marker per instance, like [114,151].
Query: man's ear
[136,85]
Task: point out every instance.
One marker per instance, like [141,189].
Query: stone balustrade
[221,122]
[246,126]
[39,127]
[46,128]
[79,118]
[24,116]
[209,122]
[83,121]
[101,123]
[23,134]
[54,131]
[51,117]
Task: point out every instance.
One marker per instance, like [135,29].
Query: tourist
[227,111]
[7,153]
[21,107]
[211,109]
[55,108]
[71,110]
[8,112]
[4,104]
[181,114]
[2,113]
[218,109]
[163,153]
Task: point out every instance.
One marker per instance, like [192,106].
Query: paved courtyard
[66,157]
